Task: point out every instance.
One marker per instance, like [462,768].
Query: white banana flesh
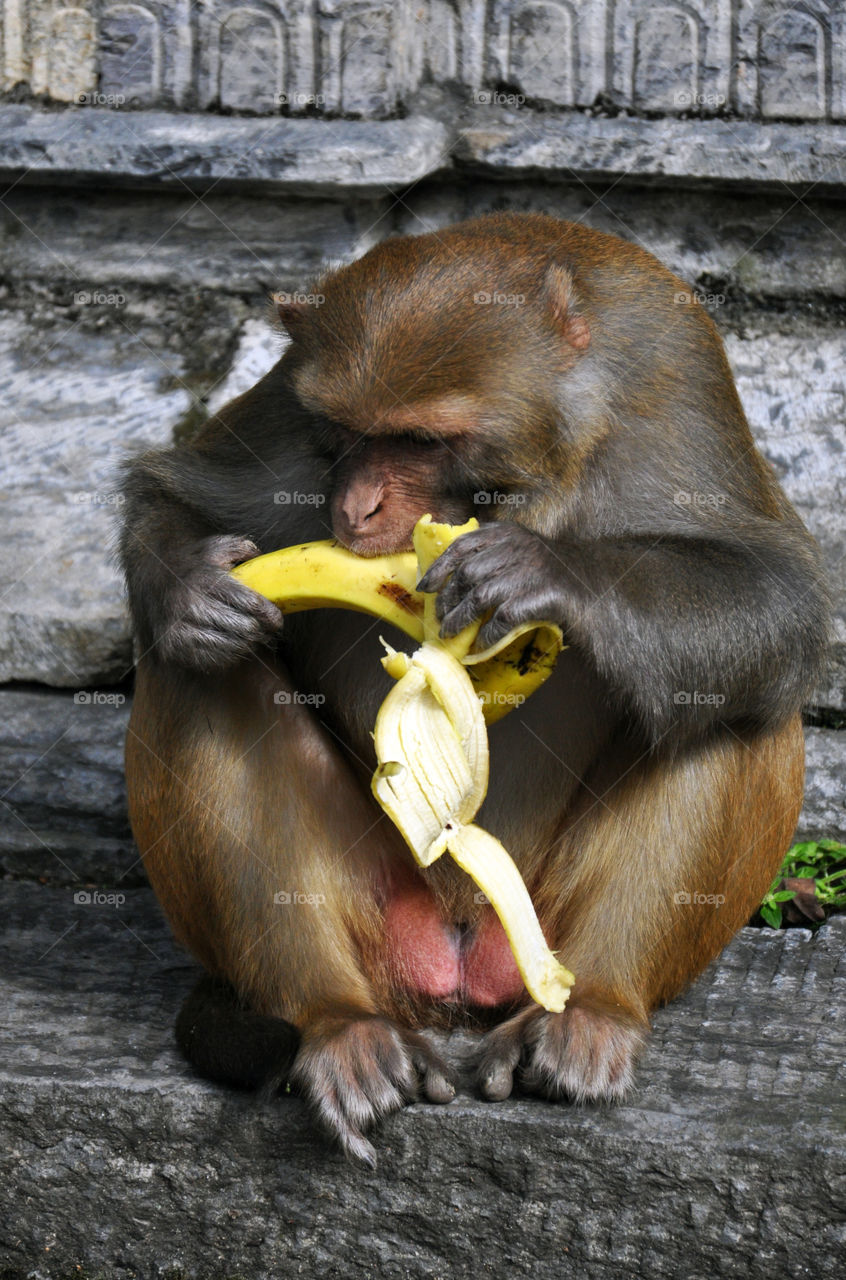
[432,776]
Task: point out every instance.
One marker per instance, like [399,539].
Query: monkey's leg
[266,854]
[655,873]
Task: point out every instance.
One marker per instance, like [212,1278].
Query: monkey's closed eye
[334,441]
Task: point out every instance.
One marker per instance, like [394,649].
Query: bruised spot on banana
[430,735]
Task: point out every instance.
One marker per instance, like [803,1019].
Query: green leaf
[772,915]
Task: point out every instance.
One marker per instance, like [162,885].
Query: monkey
[562,385]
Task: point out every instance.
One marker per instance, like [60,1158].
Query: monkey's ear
[560,295]
[292,314]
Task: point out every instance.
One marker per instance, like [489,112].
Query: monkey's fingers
[468,544]
[210,634]
[225,550]
[436,1080]
[238,599]
[515,611]
[359,1070]
[499,1056]
[587,1053]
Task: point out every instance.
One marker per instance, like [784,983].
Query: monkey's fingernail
[360,1150]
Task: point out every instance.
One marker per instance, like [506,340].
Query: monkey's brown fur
[590,397]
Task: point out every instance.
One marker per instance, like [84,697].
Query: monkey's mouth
[368,547]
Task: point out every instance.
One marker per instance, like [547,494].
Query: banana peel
[430,734]
[324,575]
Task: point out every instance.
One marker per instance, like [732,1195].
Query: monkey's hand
[355,1070]
[208,621]
[587,1052]
[502,570]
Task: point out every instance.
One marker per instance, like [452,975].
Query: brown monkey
[553,371]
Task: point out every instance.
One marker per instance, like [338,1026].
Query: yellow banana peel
[430,736]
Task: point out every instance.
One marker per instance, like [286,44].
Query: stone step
[728,1160]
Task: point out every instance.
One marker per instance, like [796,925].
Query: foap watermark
[293,698]
[481,899]
[299,299]
[300,101]
[498,698]
[298,898]
[695,698]
[498,299]
[699,500]
[494,98]
[495,498]
[685,899]
[98,298]
[92,98]
[99,498]
[689,99]
[294,498]
[98,698]
[97,898]
[687,297]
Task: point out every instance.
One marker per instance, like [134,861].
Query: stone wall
[765,60]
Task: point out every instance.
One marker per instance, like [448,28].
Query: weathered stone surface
[237,244]
[744,246]
[74,405]
[115,1160]
[794,395]
[259,348]
[754,59]
[824,811]
[686,151]
[197,152]
[63,816]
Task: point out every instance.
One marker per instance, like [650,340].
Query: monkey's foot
[353,1071]
[586,1053]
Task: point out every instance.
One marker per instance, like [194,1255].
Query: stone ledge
[724,153]
[196,152]
[728,1160]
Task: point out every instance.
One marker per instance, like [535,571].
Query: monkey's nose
[358,509]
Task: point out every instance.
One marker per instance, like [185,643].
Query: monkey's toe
[587,1053]
[436,1082]
[355,1071]
[498,1058]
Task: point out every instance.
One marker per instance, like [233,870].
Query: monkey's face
[434,375]
[382,485]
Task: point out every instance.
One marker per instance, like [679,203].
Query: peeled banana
[430,736]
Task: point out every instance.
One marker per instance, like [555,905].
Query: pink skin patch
[442,961]
[423,950]
[491,976]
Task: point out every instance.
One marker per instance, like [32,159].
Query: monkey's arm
[176,558]
[193,512]
[686,630]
